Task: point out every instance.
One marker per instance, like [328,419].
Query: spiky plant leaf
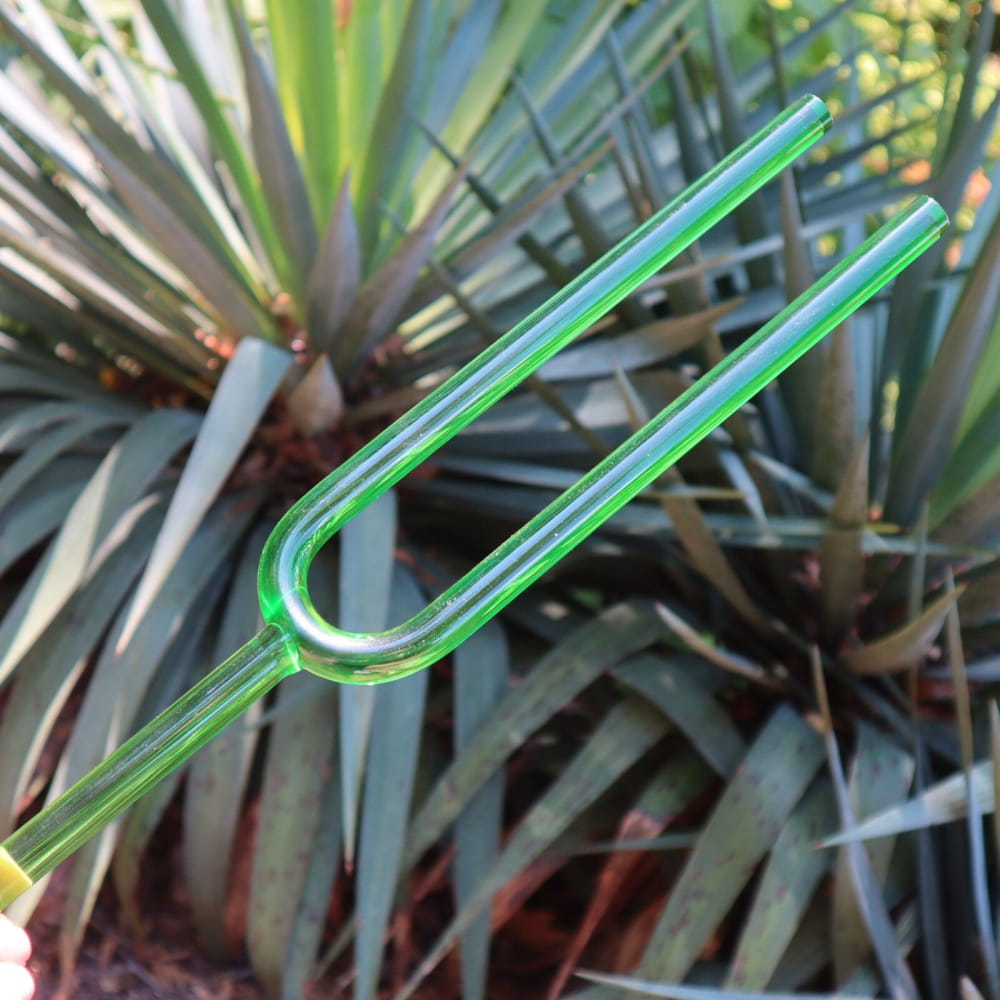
[741,830]
[217,777]
[393,754]
[366,574]
[482,669]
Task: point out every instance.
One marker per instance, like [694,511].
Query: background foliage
[227,258]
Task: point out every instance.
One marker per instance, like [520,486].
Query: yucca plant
[236,239]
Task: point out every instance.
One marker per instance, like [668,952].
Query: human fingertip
[15,945]
[16,983]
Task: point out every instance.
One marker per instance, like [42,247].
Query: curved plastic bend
[346,656]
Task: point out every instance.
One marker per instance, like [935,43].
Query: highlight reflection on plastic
[297,638]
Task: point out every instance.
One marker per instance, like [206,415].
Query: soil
[165,964]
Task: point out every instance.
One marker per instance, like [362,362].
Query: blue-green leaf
[481,674]
[251,378]
[392,763]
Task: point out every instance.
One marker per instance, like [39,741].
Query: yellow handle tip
[13,880]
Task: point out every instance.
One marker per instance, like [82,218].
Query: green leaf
[592,235]
[790,878]
[995,761]
[301,794]
[482,668]
[942,802]
[536,250]
[122,477]
[299,757]
[237,311]
[973,521]
[38,513]
[645,33]
[988,378]
[218,774]
[371,36]
[880,773]
[681,690]
[46,447]
[929,896]
[381,299]
[674,991]
[28,420]
[386,174]
[701,545]
[904,646]
[335,276]
[484,86]
[749,215]
[681,780]
[142,819]
[392,764]
[642,143]
[367,548]
[711,651]
[316,404]
[309,922]
[974,825]
[160,182]
[558,677]
[743,827]
[871,906]
[842,561]
[978,49]
[513,222]
[623,736]
[923,450]
[305,46]
[641,348]
[55,663]
[120,681]
[251,378]
[798,383]
[908,346]
[228,144]
[283,185]
[32,379]
[163,111]
[980,602]
[973,464]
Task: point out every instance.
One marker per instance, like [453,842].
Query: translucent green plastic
[296,637]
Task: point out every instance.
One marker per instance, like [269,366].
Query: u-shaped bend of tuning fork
[445,622]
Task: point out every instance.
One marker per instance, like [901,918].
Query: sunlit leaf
[247,385]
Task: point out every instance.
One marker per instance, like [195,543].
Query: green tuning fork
[295,637]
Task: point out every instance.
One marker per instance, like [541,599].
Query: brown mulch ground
[113,965]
